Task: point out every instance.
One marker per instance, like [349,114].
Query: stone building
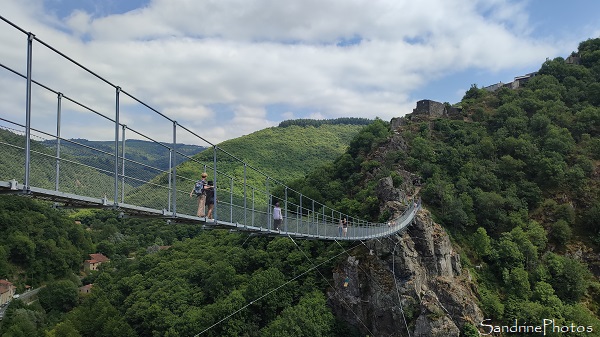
[94,262]
[7,291]
[435,109]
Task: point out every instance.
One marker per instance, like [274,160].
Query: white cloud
[192,60]
[79,22]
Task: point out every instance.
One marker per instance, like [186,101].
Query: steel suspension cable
[397,289]
[326,280]
[380,287]
[269,292]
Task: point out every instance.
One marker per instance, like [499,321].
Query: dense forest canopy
[37,243]
[515,181]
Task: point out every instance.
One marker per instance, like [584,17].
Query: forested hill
[515,180]
[74,178]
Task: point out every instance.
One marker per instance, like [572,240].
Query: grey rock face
[412,282]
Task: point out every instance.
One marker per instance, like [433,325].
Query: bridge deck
[299,227]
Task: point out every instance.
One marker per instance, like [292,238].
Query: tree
[369,138]
[60,296]
[311,317]
[97,317]
[509,254]
[544,294]
[22,248]
[64,329]
[422,149]
[489,209]
[551,170]
[588,121]
[540,124]
[21,322]
[473,92]
[570,278]
[517,283]
[482,242]
[558,140]
[546,87]
[491,304]
[269,307]
[561,232]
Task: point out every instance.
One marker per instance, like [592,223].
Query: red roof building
[95,261]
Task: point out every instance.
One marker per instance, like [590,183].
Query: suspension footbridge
[34,135]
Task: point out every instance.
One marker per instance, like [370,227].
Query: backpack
[199,188]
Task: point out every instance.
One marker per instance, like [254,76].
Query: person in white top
[277,217]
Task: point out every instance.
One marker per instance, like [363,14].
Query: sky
[226,68]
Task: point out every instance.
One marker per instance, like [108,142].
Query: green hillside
[282,153]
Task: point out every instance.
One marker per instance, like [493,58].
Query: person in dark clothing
[199,191]
[210,200]
[344,225]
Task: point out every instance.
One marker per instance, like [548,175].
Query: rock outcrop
[410,282]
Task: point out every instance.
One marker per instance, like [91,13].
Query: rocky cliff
[409,284]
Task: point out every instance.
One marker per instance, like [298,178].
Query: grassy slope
[282,153]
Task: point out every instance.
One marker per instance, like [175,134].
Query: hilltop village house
[519,81]
[7,291]
[94,262]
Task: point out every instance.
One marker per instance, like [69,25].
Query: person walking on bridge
[345,227]
[210,199]
[277,216]
[200,191]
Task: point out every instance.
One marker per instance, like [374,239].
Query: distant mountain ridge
[147,153]
[319,122]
